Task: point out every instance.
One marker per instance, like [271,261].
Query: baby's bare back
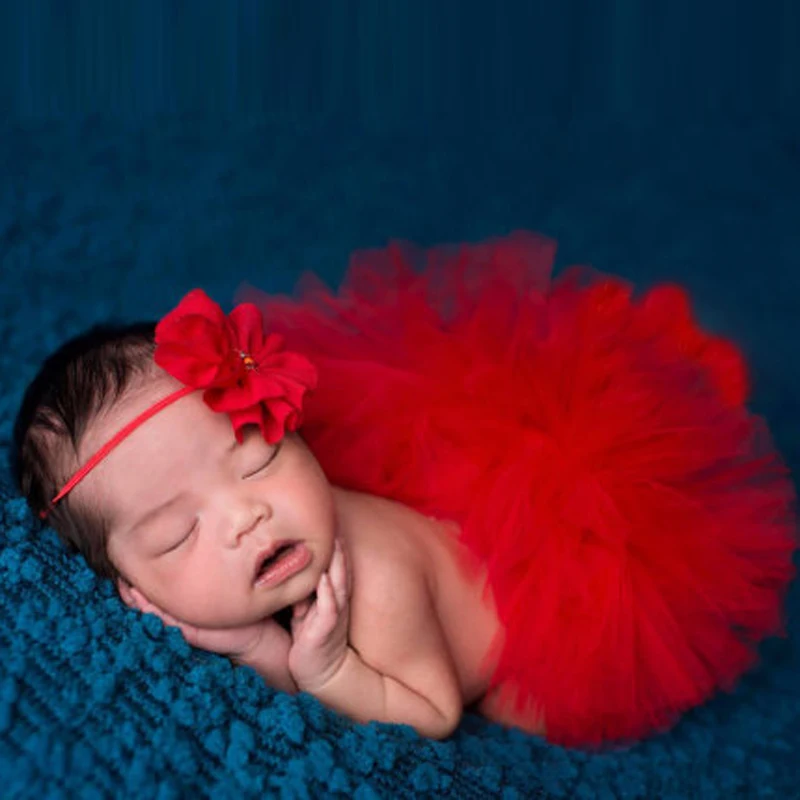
[397,554]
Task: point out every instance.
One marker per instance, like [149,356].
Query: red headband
[241,371]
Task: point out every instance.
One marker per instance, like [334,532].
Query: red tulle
[635,520]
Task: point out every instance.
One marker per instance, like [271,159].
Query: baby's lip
[268,552]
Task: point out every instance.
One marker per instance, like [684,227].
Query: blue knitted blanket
[100,221]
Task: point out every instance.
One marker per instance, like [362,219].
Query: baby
[216,529]
[546,499]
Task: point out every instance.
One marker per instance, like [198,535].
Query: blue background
[149,147]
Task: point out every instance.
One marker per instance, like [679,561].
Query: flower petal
[248,328]
[193,341]
[277,414]
[201,347]
[292,365]
[241,418]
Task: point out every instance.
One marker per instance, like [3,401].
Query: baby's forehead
[170,432]
[158,455]
[116,413]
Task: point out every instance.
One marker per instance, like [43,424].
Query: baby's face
[192,512]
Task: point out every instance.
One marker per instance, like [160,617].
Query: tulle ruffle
[595,449]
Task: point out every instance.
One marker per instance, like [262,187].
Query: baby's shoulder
[386,539]
[395,557]
[392,573]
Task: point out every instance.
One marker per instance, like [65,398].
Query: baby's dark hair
[81,379]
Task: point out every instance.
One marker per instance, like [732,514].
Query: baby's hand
[319,629]
[238,643]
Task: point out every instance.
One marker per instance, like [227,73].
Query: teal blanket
[101,220]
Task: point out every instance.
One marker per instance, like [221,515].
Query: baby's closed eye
[183,538]
[263,464]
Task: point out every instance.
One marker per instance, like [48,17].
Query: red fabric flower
[244,372]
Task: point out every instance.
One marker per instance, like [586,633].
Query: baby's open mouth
[287,559]
[274,558]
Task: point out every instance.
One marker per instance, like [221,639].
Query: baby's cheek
[203,611]
[304,506]
[320,505]
[198,599]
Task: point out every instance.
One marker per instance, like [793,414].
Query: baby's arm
[264,645]
[421,691]
[270,662]
[413,681]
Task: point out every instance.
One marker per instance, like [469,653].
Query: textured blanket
[100,221]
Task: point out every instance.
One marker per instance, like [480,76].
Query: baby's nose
[248,519]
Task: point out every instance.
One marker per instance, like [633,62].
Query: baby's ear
[128,594]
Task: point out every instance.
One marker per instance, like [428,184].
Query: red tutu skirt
[594,447]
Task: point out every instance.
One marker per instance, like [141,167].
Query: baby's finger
[191,634]
[170,620]
[304,616]
[338,575]
[146,607]
[301,609]
[326,602]
[149,608]
[349,576]
[296,624]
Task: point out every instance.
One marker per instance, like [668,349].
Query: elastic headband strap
[113,442]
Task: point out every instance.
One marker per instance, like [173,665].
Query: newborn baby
[216,537]
[463,483]
[216,529]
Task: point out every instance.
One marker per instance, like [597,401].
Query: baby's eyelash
[275,451]
[181,540]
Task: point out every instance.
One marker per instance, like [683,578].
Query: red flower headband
[241,371]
